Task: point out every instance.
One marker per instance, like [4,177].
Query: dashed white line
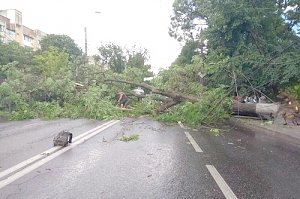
[193,142]
[228,193]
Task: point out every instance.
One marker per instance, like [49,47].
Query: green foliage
[10,100]
[136,74]
[295,90]
[183,79]
[13,52]
[137,58]
[112,56]
[63,43]
[47,110]
[253,39]
[51,63]
[42,85]
[214,131]
[145,107]
[96,104]
[23,112]
[133,137]
[187,53]
[211,109]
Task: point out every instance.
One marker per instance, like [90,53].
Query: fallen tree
[173,97]
[255,109]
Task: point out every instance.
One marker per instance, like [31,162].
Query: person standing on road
[122,99]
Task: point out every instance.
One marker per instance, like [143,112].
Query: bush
[48,110]
[144,107]
[295,91]
[24,112]
[96,105]
[213,108]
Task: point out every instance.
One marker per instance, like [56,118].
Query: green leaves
[256,39]
[96,104]
[52,63]
[113,57]
[13,52]
[211,109]
[62,42]
[187,53]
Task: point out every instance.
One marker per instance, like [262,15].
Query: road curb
[275,133]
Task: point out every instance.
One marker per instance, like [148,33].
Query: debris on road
[133,137]
[62,138]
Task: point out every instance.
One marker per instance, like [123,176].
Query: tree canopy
[12,51]
[62,42]
[256,39]
[227,45]
[112,56]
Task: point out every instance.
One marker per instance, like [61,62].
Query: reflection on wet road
[163,163]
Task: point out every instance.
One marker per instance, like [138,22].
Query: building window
[11,33]
[29,39]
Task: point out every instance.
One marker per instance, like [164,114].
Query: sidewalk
[289,132]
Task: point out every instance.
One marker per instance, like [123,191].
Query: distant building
[12,29]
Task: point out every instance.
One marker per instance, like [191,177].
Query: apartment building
[12,29]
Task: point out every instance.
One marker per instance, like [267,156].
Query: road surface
[167,161]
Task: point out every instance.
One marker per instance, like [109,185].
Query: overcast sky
[143,23]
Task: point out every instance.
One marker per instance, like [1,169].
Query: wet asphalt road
[160,164]
[21,140]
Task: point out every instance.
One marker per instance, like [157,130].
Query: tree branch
[178,97]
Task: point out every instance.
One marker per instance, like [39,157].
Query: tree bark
[255,109]
[165,106]
[173,97]
[179,97]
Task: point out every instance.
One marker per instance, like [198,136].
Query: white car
[139,91]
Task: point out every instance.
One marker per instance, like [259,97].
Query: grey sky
[143,23]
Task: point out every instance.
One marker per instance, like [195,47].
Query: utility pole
[85,41]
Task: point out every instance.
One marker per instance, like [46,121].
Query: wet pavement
[289,133]
[256,164]
[20,140]
[162,163]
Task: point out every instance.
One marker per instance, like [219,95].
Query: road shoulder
[288,133]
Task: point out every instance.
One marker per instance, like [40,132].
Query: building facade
[12,29]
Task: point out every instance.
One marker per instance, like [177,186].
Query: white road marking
[28,161]
[193,142]
[228,193]
[39,162]
[45,153]
[94,129]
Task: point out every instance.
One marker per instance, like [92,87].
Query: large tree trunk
[255,109]
[173,97]
[165,106]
